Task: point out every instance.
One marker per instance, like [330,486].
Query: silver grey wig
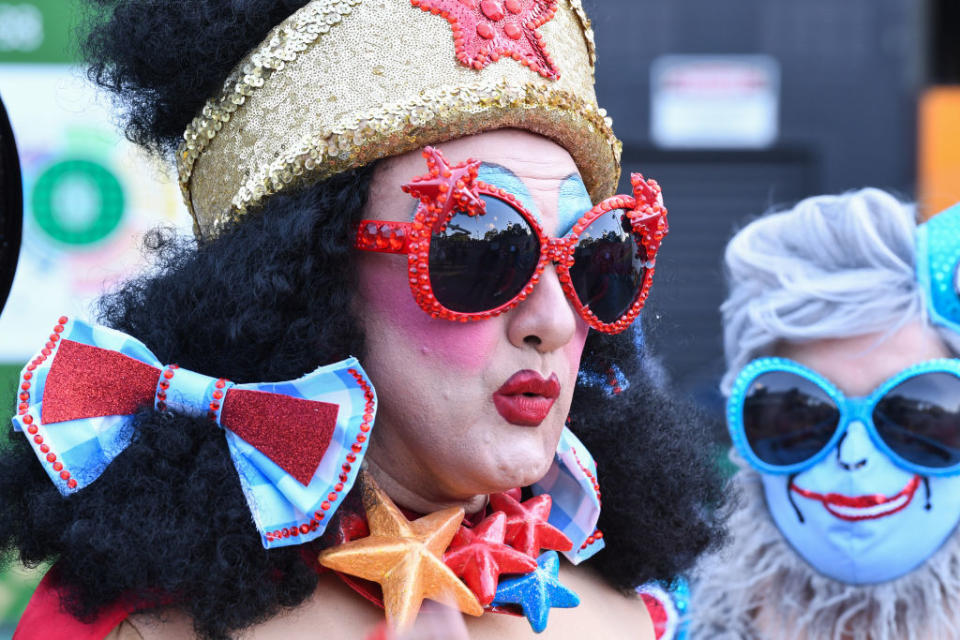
[831,267]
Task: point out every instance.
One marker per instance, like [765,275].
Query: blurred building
[740,106]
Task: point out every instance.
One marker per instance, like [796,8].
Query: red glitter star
[527,527]
[446,188]
[479,556]
[484,30]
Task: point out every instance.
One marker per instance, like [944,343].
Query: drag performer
[842,335]
[400,334]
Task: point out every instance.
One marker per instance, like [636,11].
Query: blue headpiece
[938,267]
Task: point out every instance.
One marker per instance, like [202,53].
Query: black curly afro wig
[167,523]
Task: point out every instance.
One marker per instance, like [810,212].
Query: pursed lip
[526,398]
[866,507]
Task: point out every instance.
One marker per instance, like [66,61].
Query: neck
[418,500]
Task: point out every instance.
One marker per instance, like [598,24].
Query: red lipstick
[866,507]
[526,398]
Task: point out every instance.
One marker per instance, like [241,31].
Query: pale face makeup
[856,516]
[439,437]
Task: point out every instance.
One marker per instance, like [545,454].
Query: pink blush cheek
[387,297]
[574,349]
[465,346]
[384,290]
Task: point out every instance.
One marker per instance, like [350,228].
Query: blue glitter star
[537,592]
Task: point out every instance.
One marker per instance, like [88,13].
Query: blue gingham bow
[297,445]
[574,489]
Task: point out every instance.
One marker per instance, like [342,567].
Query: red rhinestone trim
[335,495]
[586,471]
[24,397]
[165,377]
[219,393]
[385,237]
[613,382]
[597,535]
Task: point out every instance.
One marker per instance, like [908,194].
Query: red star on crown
[446,188]
[527,527]
[479,556]
[484,30]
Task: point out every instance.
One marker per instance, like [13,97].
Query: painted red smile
[868,507]
[526,398]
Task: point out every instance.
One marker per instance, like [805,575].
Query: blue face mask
[858,518]
[864,489]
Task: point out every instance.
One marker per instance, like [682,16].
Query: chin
[520,469]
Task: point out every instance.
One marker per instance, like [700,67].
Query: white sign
[89,196]
[716,101]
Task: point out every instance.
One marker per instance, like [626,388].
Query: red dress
[45,618]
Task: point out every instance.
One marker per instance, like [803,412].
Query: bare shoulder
[606,607]
[333,611]
[336,611]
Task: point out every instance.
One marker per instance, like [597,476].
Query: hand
[435,622]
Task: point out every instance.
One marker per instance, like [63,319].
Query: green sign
[77,202]
[38,31]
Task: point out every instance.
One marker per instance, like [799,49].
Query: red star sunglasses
[474,251]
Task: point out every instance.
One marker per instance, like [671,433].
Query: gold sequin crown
[342,83]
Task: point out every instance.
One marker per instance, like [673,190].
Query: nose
[545,320]
[855,447]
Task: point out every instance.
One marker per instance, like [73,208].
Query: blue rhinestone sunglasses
[785,418]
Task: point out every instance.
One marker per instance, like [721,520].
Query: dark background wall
[851,71]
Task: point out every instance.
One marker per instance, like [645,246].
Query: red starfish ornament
[650,211]
[479,556]
[446,188]
[527,527]
[484,30]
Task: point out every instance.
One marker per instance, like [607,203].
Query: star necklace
[427,557]
[404,557]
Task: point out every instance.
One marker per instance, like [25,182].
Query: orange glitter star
[404,557]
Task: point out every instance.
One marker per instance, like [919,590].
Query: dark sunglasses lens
[608,266]
[481,262]
[787,418]
[920,419]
